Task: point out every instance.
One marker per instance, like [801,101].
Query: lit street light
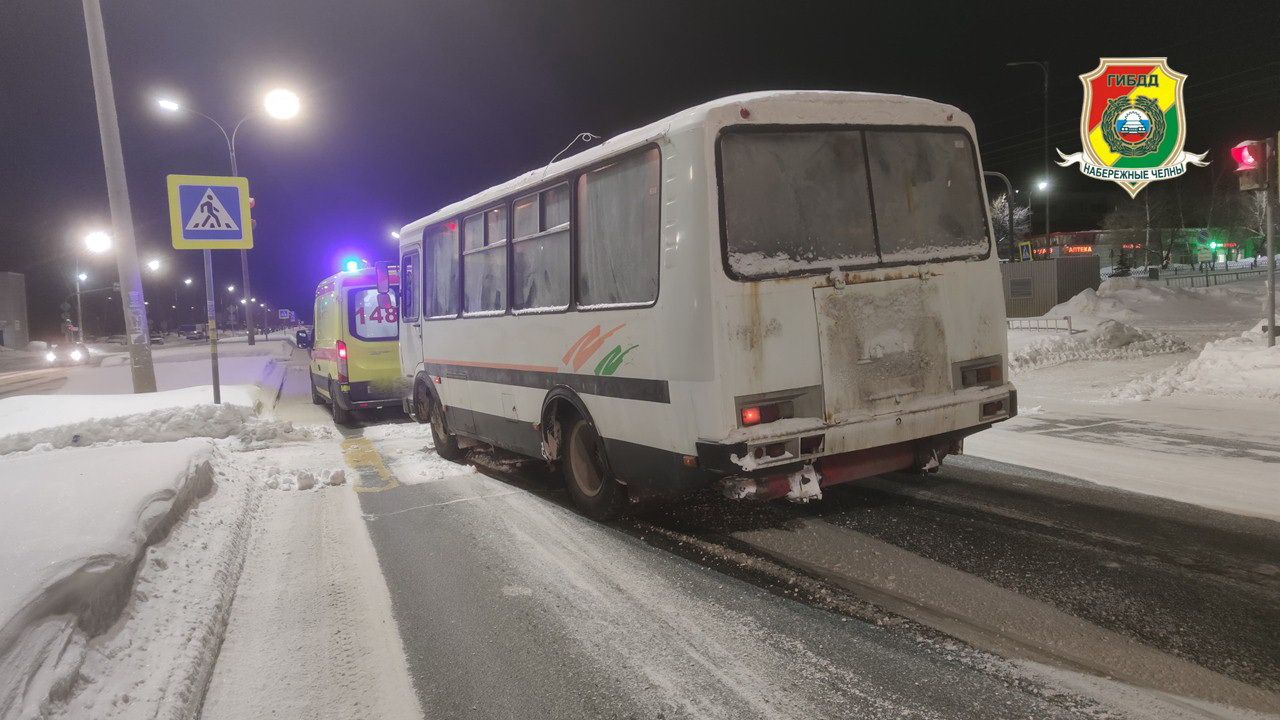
[153,265]
[1042,185]
[82,277]
[231,288]
[187,281]
[280,104]
[395,235]
[97,242]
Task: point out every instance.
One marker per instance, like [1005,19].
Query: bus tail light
[983,372]
[342,361]
[760,414]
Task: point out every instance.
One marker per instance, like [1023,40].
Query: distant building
[1182,246]
[13,311]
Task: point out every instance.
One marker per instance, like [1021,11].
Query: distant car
[157,338]
[197,335]
[67,354]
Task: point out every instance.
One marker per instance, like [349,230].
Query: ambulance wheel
[446,443]
[316,397]
[594,489]
[341,416]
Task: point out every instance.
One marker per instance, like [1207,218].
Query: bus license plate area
[780,451]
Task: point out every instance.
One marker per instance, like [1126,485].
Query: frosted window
[618,215]
[441,248]
[795,201]
[928,203]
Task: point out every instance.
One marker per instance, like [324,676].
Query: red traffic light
[1249,155]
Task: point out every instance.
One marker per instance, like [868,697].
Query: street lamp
[395,235]
[1042,185]
[280,104]
[153,265]
[187,281]
[82,277]
[97,242]
[1044,67]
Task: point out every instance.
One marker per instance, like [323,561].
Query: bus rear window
[368,319]
[801,201]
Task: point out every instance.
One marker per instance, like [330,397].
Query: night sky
[408,106]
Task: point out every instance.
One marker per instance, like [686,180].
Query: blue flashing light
[351,265]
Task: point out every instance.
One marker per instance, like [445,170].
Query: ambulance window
[371,319]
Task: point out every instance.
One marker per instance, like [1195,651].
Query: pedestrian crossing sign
[210,212]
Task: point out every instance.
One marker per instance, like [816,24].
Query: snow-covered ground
[124,523]
[1168,391]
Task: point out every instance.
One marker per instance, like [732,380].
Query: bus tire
[422,403]
[594,489]
[341,416]
[446,443]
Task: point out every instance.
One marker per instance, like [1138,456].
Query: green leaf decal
[608,364]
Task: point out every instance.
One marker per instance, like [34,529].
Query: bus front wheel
[594,489]
[445,442]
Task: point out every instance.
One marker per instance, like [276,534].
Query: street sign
[286,314]
[209,212]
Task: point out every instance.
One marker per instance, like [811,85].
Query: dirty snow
[1107,340]
[73,523]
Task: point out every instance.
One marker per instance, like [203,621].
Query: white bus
[773,291]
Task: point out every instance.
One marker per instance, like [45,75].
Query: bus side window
[409,285]
[540,251]
[618,216]
[440,246]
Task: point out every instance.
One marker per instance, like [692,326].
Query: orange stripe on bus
[588,335]
[589,348]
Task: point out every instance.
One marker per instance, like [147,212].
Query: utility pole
[1044,68]
[137,333]
[1271,266]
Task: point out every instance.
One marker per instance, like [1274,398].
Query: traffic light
[1253,163]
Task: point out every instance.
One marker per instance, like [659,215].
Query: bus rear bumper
[833,454]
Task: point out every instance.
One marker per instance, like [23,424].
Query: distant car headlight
[51,356]
[76,355]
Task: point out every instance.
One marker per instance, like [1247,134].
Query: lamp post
[280,104]
[131,296]
[1044,180]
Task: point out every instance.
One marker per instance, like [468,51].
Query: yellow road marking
[372,474]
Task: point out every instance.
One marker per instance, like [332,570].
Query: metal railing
[1041,323]
[1211,279]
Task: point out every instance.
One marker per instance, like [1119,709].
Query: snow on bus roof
[873,108]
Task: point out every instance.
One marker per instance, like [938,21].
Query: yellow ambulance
[355,349]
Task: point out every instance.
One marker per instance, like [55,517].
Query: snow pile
[258,434]
[303,478]
[1241,367]
[73,527]
[57,421]
[1109,340]
[1151,304]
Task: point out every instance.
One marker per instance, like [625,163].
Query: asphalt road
[511,605]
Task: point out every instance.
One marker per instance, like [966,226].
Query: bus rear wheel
[594,489]
[445,442]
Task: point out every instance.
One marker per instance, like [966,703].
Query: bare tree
[1000,223]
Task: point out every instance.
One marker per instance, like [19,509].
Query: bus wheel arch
[424,395]
[560,409]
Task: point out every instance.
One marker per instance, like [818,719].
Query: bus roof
[874,108]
